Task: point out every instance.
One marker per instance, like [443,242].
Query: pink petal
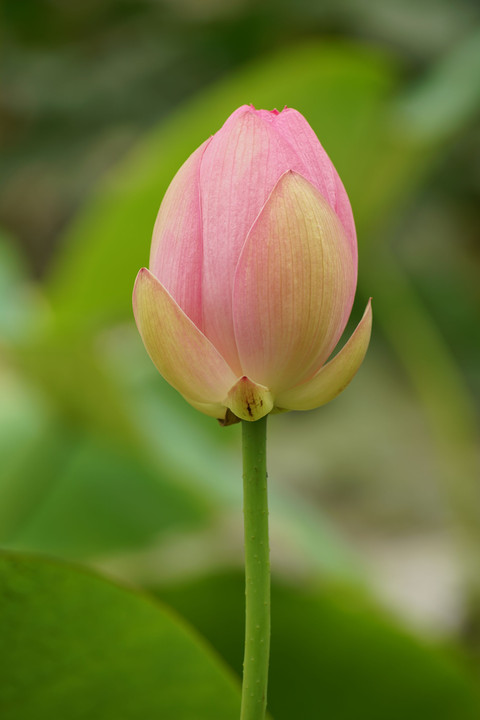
[293,282]
[239,169]
[180,351]
[177,248]
[333,377]
[317,167]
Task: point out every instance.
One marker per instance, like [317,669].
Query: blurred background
[375,501]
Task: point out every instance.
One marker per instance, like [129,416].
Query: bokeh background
[375,501]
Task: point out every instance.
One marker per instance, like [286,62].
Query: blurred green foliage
[101,461]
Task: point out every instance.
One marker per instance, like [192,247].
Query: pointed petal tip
[140,273]
[138,280]
[137,289]
[333,377]
[248,400]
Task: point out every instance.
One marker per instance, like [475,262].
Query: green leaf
[334,654]
[76,646]
[80,496]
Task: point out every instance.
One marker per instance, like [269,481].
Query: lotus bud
[253,271]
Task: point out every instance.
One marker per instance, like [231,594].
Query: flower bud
[253,270]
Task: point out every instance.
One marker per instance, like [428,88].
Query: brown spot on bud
[249,400]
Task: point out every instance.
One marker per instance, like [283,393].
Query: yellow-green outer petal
[180,351]
[214,410]
[249,401]
[293,286]
[333,377]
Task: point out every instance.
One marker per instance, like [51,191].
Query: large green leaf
[76,646]
[333,654]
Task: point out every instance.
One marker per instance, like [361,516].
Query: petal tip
[333,377]
[248,400]
[143,277]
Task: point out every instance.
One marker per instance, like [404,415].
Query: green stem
[257,571]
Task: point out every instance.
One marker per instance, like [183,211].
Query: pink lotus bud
[253,270]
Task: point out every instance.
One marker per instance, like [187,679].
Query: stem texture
[257,571]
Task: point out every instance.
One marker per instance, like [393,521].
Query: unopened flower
[253,270]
